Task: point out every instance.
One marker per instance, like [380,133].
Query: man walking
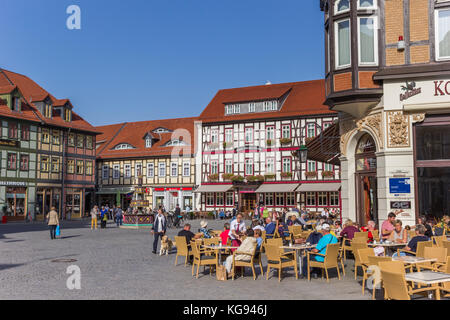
[118,216]
[159,229]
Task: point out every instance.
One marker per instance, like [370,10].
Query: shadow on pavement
[9,266]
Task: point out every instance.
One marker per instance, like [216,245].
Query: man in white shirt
[237,227]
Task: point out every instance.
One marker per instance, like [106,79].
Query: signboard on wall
[10,143]
[399,185]
[139,203]
[401,205]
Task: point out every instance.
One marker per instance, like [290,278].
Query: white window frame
[309,166]
[286,165]
[214,136]
[186,166]
[336,12]
[249,164]
[127,171]
[220,199]
[373,7]
[150,170]
[283,130]
[375,40]
[229,135]
[229,199]
[252,107]
[116,171]
[336,44]
[308,126]
[148,142]
[162,169]
[436,38]
[210,199]
[270,165]
[248,130]
[229,165]
[105,172]
[236,108]
[270,129]
[214,167]
[174,169]
[136,169]
[268,199]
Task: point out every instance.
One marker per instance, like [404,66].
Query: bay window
[341,6]
[343,50]
[367,43]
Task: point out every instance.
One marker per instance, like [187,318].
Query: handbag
[221,273]
[58,231]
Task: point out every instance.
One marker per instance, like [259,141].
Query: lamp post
[302,153]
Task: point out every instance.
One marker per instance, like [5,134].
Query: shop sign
[399,185]
[400,204]
[140,190]
[13,184]
[441,88]
[139,203]
[410,90]
[9,143]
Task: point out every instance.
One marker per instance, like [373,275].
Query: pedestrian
[107,211]
[94,217]
[103,217]
[159,229]
[53,222]
[118,216]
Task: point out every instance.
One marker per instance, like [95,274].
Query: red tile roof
[303,98]
[32,92]
[133,133]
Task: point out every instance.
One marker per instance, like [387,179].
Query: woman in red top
[369,228]
[225,235]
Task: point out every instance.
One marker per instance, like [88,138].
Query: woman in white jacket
[247,246]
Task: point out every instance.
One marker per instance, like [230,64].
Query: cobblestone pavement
[118,263]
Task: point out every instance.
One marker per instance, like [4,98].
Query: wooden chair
[363,257]
[354,247]
[202,259]
[278,242]
[395,285]
[330,260]
[243,264]
[420,249]
[376,235]
[434,253]
[438,240]
[182,249]
[348,247]
[364,235]
[446,244]
[411,234]
[374,261]
[211,242]
[280,261]
[446,285]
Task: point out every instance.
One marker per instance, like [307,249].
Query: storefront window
[433,142]
[219,199]
[311,199]
[334,199]
[210,199]
[15,201]
[279,199]
[290,199]
[269,199]
[229,199]
[322,199]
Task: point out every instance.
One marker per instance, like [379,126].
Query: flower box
[255,178]
[213,177]
[227,176]
[237,178]
[327,174]
[286,174]
[285,141]
[269,176]
[311,174]
[270,142]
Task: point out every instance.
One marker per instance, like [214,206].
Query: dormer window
[341,6]
[48,110]
[161,130]
[148,142]
[123,146]
[270,105]
[16,104]
[67,115]
[173,143]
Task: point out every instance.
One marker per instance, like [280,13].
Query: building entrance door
[366,181]
[248,202]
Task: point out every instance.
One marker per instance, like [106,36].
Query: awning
[319,187]
[280,187]
[214,188]
[122,190]
[326,146]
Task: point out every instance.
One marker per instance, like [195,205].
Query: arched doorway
[366,180]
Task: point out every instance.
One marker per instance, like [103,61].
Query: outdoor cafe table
[429,278]
[300,248]
[388,246]
[413,259]
[218,249]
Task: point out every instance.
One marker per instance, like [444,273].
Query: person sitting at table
[315,236]
[399,235]
[283,230]
[321,247]
[337,228]
[258,237]
[369,228]
[247,246]
[188,234]
[225,235]
[203,226]
[388,226]
[412,244]
[259,226]
[349,231]
[270,228]
[294,221]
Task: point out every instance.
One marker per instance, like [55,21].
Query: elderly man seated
[247,246]
[270,228]
[321,247]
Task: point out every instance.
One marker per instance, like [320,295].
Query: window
[269,199]
[175,143]
[279,198]
[343,49]
[45,136]
[89,142]
[210,199]
[334,199]
[286,132]
[214,136]
[55,137]
[12,130]
[47,111]
[327,167]
[55,165]
[45,164]
[270,132]
[71,140]
[228,135]
[174,169]
[123,146]
[342,6]
[311,130]
[252,107]
[67,115]
[229,199]
[105,172]
[248,135]
[70,166]
[248,167]
[25,133]
[229,166]
[311,166]
[80,167]
[12,161]
[367,41]
[219,199]
[322,199]
[270,165]
[127,171]
[161,130]
[116,171]
[89,167]
[236,109]
[24,162]
[150,170]
[138,170]
[162,169]
[442,26]
[186,169]
[367,4]
[214,167]
[16,104]
[270,105]
[148,142]
[326,125]
[80,141]
[311,199]
[286,164]
[228,110]
[290,199]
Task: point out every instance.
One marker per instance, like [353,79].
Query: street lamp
[303,154]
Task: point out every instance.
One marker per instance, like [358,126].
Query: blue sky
[153,59]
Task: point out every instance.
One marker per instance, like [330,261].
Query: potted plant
[213,145]
[237,178]
[269,176]
[285,141]
[214,177]
[269,142]
[286,174]
[255,178]
[327,174]
[307,140]
[311,174]
[227,176]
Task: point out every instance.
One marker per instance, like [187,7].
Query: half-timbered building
[156,156]
[249,140]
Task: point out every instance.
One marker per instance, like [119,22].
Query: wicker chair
[363,257]
[438,241]
[374,261]
[446,285]
[348,248]
[202,259]
[330,260]
[420,249]
[280,261]
[243,264]
[355,246]
[438,253]
[182,249]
